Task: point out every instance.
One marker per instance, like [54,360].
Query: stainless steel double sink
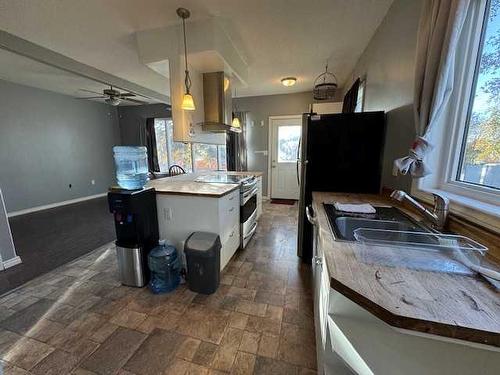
[343,225]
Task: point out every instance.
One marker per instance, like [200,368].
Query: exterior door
[285,139]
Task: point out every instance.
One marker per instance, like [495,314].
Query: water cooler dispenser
[136,227]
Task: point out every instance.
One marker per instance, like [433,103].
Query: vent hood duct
[218,103]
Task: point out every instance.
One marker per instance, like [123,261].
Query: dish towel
[361,208]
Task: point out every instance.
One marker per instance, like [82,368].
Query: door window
[288,143]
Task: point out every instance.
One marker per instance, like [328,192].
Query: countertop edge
[414,324]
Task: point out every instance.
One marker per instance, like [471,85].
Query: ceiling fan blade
[93,92]
[94,97]
[127,94]
[134,101]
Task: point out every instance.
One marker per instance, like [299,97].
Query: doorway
[284,144]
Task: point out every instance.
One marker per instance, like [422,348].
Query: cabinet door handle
[231,209]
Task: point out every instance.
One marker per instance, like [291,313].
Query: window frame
[447,162]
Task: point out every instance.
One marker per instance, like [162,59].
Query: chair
[175,170]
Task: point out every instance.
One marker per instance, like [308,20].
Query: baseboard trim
[12,262]
[54,205]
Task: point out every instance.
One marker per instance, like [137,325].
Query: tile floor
[78,319]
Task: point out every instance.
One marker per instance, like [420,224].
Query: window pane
[161,144]
[288,142]
[221,153]
[181,155]
[480,162]
[205,156]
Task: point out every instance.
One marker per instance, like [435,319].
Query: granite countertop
[185,184]
[450,305]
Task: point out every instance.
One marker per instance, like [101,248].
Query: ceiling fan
[113,97]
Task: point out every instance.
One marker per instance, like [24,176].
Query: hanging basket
[325,86]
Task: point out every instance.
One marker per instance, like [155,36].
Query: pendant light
[236,121]
[187,100]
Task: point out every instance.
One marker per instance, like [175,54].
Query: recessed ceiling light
[288,81]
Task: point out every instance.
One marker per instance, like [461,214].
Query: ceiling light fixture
[187,100]
[113,101]
[289,81]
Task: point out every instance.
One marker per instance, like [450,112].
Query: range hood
[218,103]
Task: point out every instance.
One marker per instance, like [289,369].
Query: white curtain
[441,25]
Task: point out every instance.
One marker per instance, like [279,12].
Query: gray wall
[388,63]
[259,109]
[49,141]
[133,121]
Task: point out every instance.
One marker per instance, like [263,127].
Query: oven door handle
[250,193]
[252,231]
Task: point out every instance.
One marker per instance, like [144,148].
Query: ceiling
[276,38]
[25,71]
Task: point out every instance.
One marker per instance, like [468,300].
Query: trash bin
[202,250]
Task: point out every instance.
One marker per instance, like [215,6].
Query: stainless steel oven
[248,210]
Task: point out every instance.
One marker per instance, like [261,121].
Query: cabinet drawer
[229,216]
[231,199]
[230,244]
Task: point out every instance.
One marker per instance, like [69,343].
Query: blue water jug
[131,166]
[164,265]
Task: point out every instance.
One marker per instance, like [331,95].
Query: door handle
[318,261]
[298,177]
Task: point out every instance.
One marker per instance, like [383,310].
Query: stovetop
[223,178]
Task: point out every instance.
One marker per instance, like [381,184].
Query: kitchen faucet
[438,215]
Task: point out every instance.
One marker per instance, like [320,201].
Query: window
[161,144]
[170,152]
[360,100]
[222,158]
[191,157]
[180,153]
[479,162]
[209,157]
[466,159]
[204,156]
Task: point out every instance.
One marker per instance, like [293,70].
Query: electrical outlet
[92,182]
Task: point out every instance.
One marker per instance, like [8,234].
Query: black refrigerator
[339,153]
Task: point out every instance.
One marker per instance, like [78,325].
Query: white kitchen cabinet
[259,196]
[328,362]
[181,215]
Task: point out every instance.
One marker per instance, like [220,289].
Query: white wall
[388,65]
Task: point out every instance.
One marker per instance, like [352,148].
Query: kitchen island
[185,205]
[392,320]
